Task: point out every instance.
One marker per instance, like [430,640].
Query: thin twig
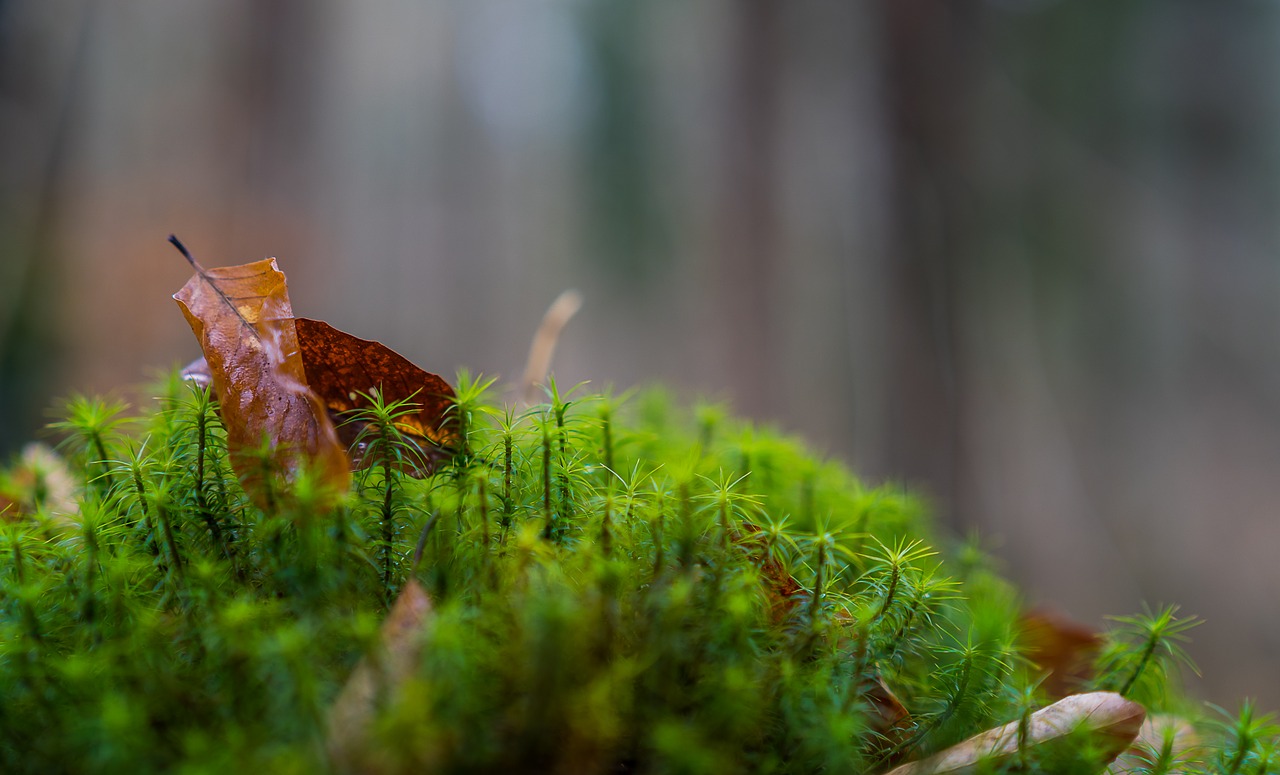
[544,341]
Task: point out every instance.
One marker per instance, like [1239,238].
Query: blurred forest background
[1023,255]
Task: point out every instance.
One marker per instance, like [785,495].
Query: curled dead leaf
[1108,722]
[242,318]
[10,510]
[891,719]
[782,587]
[431,429]
[40,482]
[392,661]
[1161,738]
[295,382]
[1061,647]
[343,370]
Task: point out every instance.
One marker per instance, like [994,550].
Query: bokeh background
[1022,255]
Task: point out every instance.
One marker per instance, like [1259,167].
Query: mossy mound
[613,587]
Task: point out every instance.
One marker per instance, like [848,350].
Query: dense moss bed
[610,586]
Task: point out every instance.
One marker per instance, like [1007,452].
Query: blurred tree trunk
[42,92]
[746,264]
[929,86]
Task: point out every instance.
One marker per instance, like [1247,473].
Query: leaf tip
[177,243]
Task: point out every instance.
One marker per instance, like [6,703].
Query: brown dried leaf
[10,509]
[1063,648]
[243,320]
[40,482]
[392,661]
[782,587]
[343,370]
[891,717]
[1109,721]
[1181,737]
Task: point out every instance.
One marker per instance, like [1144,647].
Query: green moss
[618,586]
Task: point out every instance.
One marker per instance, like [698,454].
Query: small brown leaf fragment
[1157,732]
[1106,720]
[1063,648]
[343,370]
[243,320]
[40,482]
[10,510]
[782,587]
[393,660]
[891,717]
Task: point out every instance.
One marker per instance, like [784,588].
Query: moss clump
[616,587]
